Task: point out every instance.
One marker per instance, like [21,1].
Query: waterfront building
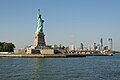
[71,47]
[98,47]
[81,46]
[95,47]
[110,44]
[106,48]
[101,44]
[88,47]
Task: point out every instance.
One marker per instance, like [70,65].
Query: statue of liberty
[39,37]
[39,23]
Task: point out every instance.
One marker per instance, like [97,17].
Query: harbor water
[80,68]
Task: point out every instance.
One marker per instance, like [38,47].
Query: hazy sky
[66,21]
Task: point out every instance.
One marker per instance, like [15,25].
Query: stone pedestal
[39,40]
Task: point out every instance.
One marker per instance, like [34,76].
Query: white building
[71,47]
[110,44]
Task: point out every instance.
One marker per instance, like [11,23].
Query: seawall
[41,56]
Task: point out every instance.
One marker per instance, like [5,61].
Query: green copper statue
[39,23]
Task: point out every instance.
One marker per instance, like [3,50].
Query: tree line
[6,47]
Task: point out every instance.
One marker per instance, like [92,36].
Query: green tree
[6,47]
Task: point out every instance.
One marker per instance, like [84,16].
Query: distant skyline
[66,21]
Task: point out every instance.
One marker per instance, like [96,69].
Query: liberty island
[41,50]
